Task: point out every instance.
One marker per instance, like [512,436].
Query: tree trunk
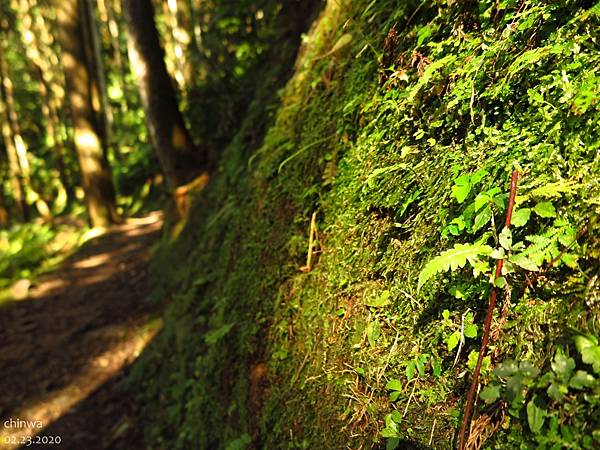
[180,160]
[107,14]
[96,68]
[176,16]
[53,137]
[15,166]
[38,41]
[81,88]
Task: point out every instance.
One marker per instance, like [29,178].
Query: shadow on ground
[65,349]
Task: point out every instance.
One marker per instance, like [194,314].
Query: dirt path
[64,349]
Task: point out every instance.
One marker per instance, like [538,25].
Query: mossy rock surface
[398,131]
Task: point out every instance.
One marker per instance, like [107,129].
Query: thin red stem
[488,321]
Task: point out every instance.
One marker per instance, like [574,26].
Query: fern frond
[453,259]
[554,190]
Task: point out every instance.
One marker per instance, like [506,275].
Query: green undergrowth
[26,250]
[398,133]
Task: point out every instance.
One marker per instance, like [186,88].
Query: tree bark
[177,45]
[13,163]
[180,160]
[15,166]
[82,89]
[109,16]
[37,42]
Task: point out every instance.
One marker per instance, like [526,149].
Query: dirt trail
[65,348]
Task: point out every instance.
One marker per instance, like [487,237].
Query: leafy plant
[548,399]
[23,248]
[454,259]
[529,254]
[455,334]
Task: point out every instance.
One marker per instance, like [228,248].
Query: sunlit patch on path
[70,341]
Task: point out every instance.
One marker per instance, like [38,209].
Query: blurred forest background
[380,223]
[78,149]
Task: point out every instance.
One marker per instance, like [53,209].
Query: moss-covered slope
[397,133]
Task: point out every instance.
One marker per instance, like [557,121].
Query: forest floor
[65,349]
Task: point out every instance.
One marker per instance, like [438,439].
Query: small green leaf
[456,291]
[396,416]
[373,332]
[557,391]
[420,366]
[498,253]
[463,180]
[514,385]
[392,443]
[395,395]
[411,369]
[471,330]
[478,176]
[480,267]
[472,360]
[582,380]
[490,393]
[461,192]
[436,367]
[569,260]
[390,432]
[506,369]
[343,41]
[446,314]
[453,340]
[583,341]
[536,414]
[562,365]
[528,370]
[482,218]
[545,209]
[524,262]
[589,349]
[500,282]
[419,134]
[505,238]
[591,355]
[394,385]
[480,201]
[520,217]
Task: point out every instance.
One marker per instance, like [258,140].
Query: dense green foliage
[400,129]
[329,284]
[27,248]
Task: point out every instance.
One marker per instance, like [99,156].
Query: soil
[66,347]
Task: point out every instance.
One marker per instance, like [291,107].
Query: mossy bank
[392,142]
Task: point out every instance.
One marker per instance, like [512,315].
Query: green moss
[372,137]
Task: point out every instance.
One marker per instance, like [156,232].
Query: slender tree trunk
[81,88]
[54,139]
[18,179]
[13,163]
[38,46]
[107,14]
[13,119]
[96,68]
[180,160]
[177,45]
